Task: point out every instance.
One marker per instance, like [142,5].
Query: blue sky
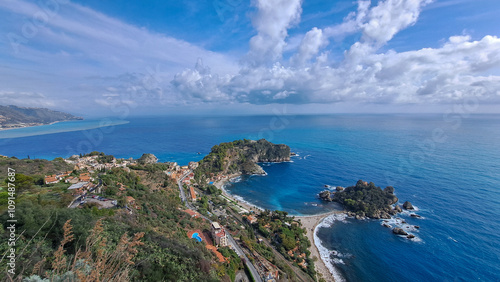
[234,56]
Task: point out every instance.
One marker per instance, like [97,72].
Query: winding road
[233,243]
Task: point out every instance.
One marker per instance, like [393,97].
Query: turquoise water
[449,170]
[196,237]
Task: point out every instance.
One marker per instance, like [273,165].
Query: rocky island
[241,157]
[365,200]
[16,117]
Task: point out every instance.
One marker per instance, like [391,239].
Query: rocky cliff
[242,156]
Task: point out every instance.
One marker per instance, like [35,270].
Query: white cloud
[78,53]
[457,70]
[272,21]
[81,58]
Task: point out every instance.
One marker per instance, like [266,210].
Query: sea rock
[384,215]
[326,196]
[389,189]
[415,215]
[386,225]
[408,206]
[416,227]
[399,231]
[339,188]
[397,208]
[410,236]
[393,212]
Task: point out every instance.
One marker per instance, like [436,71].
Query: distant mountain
[13,116]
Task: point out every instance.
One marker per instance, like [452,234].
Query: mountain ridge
[15,117]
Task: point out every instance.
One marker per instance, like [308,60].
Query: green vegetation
[164,254]
[366,199]
[288,236]
[240,156]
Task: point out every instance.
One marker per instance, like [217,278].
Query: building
[219,235]
[192,213]
[193,193]
[78,188]
[193,165]
[130,200]
[250,219]
[51,179]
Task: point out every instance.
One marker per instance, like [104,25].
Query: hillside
[13,116]
[242,156]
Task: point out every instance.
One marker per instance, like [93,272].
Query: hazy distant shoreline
[43,129]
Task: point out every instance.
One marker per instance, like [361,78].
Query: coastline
[31,125]
[309,222]
[245,205]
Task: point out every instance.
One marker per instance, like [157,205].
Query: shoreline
[34,125]
[309,222]
[243,204]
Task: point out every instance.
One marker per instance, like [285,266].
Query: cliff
[13,116]
[242,156]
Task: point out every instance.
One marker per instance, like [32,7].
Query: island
[17,117]
[365,200]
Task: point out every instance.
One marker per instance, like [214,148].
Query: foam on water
[330,257]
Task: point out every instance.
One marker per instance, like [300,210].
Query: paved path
[235,246]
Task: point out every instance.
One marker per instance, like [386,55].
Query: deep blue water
[449,170]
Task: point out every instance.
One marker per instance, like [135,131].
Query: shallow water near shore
[453,181]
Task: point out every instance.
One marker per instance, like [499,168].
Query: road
[298,272]
[235,246]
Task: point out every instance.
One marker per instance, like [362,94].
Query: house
[193,165]
[72,180]
[51,179]
[78,188]
[130,200]
[85,177]
[250,219]
[219,235]
[193,193]
[192,213]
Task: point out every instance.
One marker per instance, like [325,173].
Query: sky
[213,57]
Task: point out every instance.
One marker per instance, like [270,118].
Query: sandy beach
[310,223]
[219,184]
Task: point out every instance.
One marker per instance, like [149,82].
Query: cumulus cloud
[272,22]
[456,70]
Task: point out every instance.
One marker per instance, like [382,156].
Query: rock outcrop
[398,209]
[399,231]
[326,196]
[147,159]
[241,156]
[408,206]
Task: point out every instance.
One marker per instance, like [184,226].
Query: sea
[446,165]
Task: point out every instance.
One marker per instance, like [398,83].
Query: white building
[219,235]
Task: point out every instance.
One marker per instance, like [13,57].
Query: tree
[21,182]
